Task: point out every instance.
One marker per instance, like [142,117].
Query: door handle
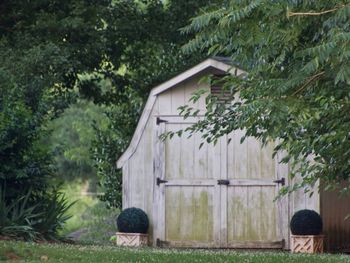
[223,182]
[281,181]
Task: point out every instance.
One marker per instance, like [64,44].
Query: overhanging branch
[289,13]
[311,79]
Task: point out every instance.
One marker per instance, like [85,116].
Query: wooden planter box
[307,244]
[132,239]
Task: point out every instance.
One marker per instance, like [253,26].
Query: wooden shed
[218,196]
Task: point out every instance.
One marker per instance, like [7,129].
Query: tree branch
[311,79]
[289,13]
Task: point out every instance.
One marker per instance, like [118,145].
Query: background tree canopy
[152,55]
[297,89]
[55,53]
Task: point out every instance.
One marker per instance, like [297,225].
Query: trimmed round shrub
[306,222]
[132,220]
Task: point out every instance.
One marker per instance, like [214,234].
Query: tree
[53,52]
[44,48]
[150,55]
[297,88]
[71,138]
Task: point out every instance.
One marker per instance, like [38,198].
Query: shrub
[32,218]
[306,222]
[132,220]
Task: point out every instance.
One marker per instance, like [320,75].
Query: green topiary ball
[306,222]
[132,220]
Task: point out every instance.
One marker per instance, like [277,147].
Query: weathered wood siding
[199,212]
[167,103]
[253,214]
[190,206]
[193,174]
[190,199]
[138,181]
[138,171]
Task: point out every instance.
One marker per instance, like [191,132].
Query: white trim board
[208,63]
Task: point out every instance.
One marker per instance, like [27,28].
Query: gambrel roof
[220,64]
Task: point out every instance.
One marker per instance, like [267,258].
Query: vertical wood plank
[215,159]
[125,201]
[256,221]
[223,198]
[268,164]
[164,103]
[282,171]
[148,179]
[231,157]
[159,163]
[241,156]
[201,105]
[200,157]
[161,173]
[177,98]
[173,155]
[238,217]
[254,156]
[187,156]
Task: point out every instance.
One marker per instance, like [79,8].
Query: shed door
[188,190]
[216,196]
[254,218]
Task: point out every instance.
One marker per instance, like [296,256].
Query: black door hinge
[160,181]
[159,121]
[281,181]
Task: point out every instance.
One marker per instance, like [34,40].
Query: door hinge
[160,181]
[281,181]
[161,243]
[224,182]
[159,121]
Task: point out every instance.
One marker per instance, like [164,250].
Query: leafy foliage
[146,45]
[306,222]
[297,87]
[44,46]
[22,218]
[54,53]
[132,220]
[71,140]
[110,141]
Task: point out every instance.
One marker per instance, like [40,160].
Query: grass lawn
[30,252]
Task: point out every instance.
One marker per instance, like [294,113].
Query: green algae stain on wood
[251,214]
[189,214]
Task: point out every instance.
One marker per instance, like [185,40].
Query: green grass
[31,252]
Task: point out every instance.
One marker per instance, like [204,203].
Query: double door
[218,195]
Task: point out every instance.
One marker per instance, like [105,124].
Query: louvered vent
[216,89]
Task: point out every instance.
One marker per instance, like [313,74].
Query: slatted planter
[307,244]
[132,239]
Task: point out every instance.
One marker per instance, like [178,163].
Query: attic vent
[216,90]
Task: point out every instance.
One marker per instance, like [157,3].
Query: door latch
[223,182]
[281,181]
[160,181]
